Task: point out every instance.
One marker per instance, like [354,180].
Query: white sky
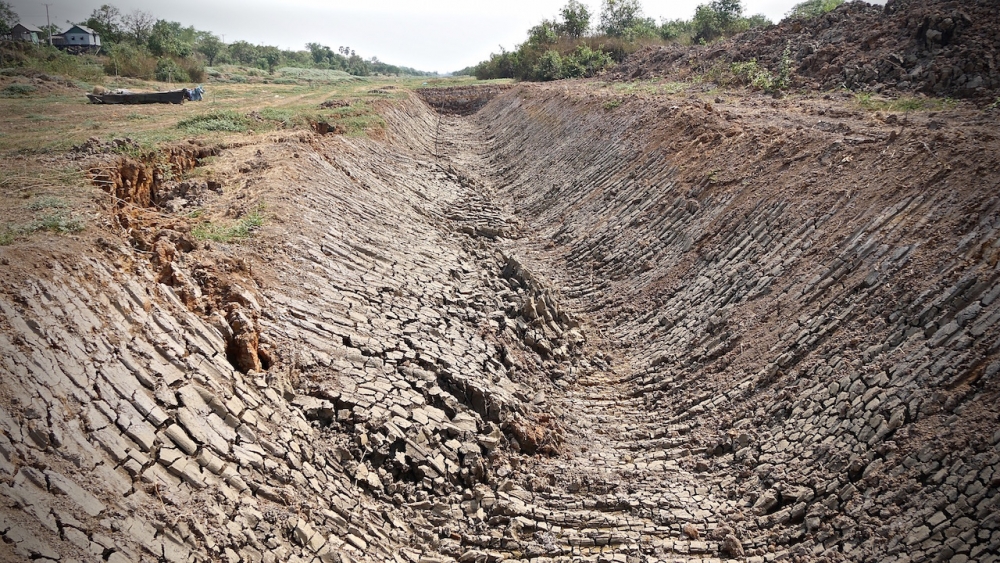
[431,35]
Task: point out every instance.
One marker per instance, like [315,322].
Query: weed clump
[225,120]
[18,91]
[242,229]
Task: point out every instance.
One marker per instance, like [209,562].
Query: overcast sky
[432,35]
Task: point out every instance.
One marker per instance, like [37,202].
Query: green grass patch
[224,120]
[18,91]
[57,222]
[47,202]
[612,104]
[239,230]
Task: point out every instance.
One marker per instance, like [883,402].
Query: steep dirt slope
[801,301]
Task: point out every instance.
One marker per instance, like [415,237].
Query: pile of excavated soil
[937,47]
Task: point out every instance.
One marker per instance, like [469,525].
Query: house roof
[82,28]
[29,27]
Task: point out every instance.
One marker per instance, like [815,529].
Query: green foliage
[17,91]
[543,34]
[126,59]
[169,39]
[575,20]
[612,104]
[813,8]
[239,230]
[624,18]
[549,66]
[226,121]
[677,30]
[8,18]
[57,222]
[756,76]
[107,22]
[210,46]
[753,74]
[722,18]
[243,53]
[48,202]
[585,62]
[167,70]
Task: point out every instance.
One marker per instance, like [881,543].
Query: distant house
[25,32]
[77,39]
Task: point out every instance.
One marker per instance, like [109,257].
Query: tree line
[570,45]
[139,45]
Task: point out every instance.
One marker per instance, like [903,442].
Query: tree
[169,39]
[675,30]
[575,20]
[813,8]
[624,18]
[271,56]
[137,26]
[728,12]
[210,46]
[543,34]
[243,52]
[8,18]
[107,22]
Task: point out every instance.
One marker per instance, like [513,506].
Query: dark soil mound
[936,47]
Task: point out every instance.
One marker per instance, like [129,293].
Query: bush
[549,66]
[194,68]
[585,62]
[226,120]
[167,70]
[17,91]
[126,59]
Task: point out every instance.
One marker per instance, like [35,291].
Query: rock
[731,545]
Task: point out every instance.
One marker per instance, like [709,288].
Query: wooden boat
[125,97]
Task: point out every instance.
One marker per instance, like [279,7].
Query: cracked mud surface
[679,330]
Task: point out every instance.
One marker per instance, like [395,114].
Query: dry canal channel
[523,324]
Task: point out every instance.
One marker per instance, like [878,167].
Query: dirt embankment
[940,48]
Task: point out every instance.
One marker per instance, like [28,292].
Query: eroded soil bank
[556,329]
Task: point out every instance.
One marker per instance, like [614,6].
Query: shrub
[194,68]
[126,59]
[224,120]
[549,66]
[167,70]
[18,91]
[585,62]
[227,233]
